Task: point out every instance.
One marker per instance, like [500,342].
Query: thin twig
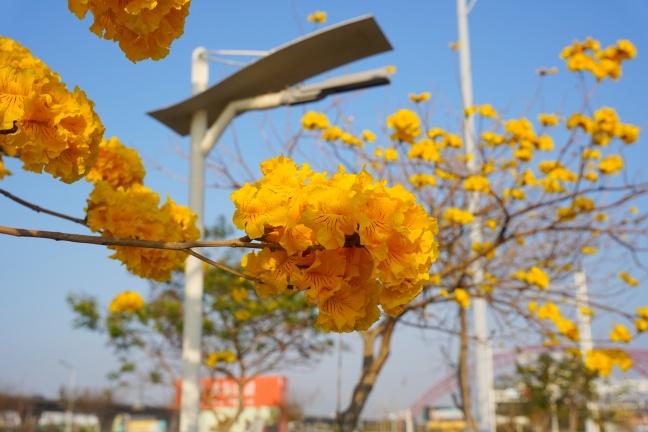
[41,209]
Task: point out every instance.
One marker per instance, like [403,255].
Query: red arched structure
[506,359]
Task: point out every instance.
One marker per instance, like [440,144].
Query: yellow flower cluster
[458,216]
[127,301]
[580,205]
[604,127]
[406,125]
[548,119]
[420,180]
[57,129]
[314,120]
[620,334]
[602,63]
[318,121]
[318,17]
[551,312]
[477,183]
[522,136]
[225,356]
[351,244]
[117,164]
[120,206]
[611,165]
[144,29]
[641,323]
[485,110]
[535,276]
[603,360]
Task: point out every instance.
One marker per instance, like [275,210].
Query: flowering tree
[243,335]
[551,193]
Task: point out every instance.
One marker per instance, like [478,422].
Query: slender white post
[485,406]
[192,330]
[585,342]
[69,413]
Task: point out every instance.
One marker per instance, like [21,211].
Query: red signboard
[262,391]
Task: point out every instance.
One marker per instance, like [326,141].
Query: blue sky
[509,41]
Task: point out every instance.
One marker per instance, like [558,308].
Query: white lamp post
[72,384]
[266,83]
[483,351]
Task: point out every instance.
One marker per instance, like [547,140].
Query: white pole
[485,406]
[585,342]
[69,413]
[192,330]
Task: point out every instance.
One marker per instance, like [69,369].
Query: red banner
[262,391]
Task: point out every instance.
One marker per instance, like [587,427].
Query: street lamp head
[282,68]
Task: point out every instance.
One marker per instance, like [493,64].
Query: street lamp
[268,82]
[72,385]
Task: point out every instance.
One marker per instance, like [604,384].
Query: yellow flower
[314,120]
[641,325]
[143,28]
[470,110]
[567,328]
[535,276]
[548,119]
[242,315]
[332,133]
[588,250]
[586,311]
[633,210]
[491,223]
[225,356]
[127,301]
[458,216]
[420,180]
[628,279]
[462,298]
[391,69]
[368,136]
[318,17]
[532,306]
[603,360]
[391,154]
[487,110]
[239,294]
[517,194]
[477,183]
[454,46]
[620,334]
[425,149]
[548,311]
[406,125]
[422,97]
[611,164]
[589,153]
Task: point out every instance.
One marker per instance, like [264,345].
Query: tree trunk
[372,364]
[462,372]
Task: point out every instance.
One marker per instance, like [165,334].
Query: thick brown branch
[151,244]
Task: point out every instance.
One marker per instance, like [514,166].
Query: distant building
[264,399]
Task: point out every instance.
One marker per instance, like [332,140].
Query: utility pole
[483,352]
